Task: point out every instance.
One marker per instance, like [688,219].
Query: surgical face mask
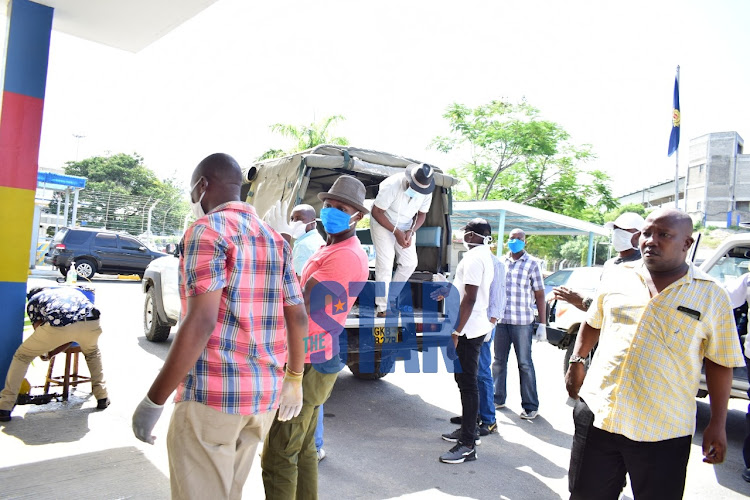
[336,221]
[515,245]
[298,229]
[622,240]
[468,246]
[411,193]
[196,207]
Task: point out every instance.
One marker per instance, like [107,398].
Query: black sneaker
[487,429]
[454,436]
[746,474]
[101,404]
[4,415]
[459,454]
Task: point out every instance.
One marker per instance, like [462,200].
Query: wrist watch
[576,359]
[587,302]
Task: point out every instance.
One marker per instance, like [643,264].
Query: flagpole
[677,160]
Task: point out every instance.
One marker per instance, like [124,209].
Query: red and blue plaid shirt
[242,367]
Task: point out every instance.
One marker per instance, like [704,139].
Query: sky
[603,70]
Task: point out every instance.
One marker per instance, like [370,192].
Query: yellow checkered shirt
[646,370]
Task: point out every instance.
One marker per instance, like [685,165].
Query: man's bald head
[216,180]
[675,218]
[665,240]
[304,213]
[517,234]
[219,167]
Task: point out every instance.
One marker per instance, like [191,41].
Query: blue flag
[674,138]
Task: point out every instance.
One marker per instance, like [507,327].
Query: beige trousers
[211,452]
[44,339]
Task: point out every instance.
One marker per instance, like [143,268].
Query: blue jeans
[484,381]
[319,430]
[520,337]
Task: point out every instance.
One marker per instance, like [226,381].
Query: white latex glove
[278,218]
[488,337]
[290,402]
[541,333]
[144,419]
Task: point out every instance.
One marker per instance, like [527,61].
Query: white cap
[627,220]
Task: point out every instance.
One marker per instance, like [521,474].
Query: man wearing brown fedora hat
[290,460]
[400,208]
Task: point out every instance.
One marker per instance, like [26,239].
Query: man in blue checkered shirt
[524,288]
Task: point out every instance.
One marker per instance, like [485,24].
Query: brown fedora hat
[349,190]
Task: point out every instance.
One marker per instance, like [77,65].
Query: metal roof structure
[504,216]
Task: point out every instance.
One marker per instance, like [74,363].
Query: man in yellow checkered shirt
[655,324]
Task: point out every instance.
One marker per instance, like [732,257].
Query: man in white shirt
[399,210]
[307,239]
[474,276]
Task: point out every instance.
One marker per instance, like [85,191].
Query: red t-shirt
[342,263]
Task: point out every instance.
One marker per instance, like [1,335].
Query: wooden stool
[70,377]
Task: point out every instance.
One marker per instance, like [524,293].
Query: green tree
[305,136]
[119,192]
[515,155]
[630,207]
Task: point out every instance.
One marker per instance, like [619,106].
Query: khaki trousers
[211,452]
[290,460]
[46,338]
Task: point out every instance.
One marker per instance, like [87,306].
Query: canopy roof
[504,216]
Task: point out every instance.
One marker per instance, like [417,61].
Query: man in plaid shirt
[655,325]
[243,321]
[524,289]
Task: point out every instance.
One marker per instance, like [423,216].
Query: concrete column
[27,54]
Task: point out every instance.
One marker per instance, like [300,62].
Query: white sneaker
[321,454]
[528,415]
[499,406]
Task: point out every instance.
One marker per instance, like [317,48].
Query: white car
[730,260]
[161,308]
[564,319]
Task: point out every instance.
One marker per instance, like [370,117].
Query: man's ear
[688,243]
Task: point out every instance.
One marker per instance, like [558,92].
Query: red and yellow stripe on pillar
[30,25]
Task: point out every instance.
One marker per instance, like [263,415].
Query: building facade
[716,190]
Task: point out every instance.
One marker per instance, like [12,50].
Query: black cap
[479,226]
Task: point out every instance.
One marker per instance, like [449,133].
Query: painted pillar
[590,256]
[500,233]
[29,29]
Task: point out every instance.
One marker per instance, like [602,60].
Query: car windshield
[558,278]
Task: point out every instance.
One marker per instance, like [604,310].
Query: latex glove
[541,333]
[488,337]
[290,402]
[144,419]
[278,218]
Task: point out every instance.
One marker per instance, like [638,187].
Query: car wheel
[155,330]
[86,269]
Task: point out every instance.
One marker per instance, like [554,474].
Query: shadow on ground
[387,443]
[90,475]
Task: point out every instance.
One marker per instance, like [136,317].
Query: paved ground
[382,438]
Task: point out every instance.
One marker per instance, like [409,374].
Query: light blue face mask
[335,221]
[411,193]
[515,245]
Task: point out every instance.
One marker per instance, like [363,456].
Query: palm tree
[305,136]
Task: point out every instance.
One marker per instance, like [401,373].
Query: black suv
[98,251]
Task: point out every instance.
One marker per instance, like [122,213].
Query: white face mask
[196,207]
[298,229]
[469,246]
[622,240]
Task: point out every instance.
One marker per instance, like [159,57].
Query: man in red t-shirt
[290,461]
